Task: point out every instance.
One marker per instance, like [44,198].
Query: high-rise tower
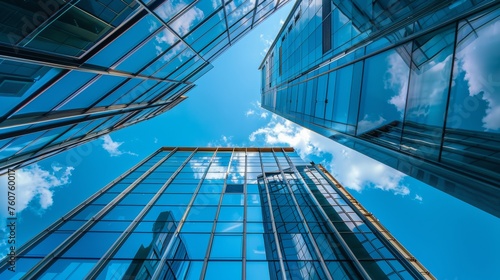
[413,84]
[218,213]
[74,70]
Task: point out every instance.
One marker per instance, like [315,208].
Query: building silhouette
[412,84]
[72,71]
[218,213]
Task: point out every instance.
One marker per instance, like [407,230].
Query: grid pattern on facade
[423,89]
[71,71]
[172,217]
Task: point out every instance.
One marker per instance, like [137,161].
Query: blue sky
[452,239]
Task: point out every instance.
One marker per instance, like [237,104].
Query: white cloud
[155,140]
[112,147]
[366,125]
[181,26]
[480,60]
[249,112]
[236,13]
[418,198]
[431,82]
[352,169]
[224,141]
[36,184]
[398,74]
[256,110]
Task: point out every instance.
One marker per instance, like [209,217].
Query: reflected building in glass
[218,213]
[412,84]
[72,71]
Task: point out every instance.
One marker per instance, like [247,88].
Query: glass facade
[72,71]
[218,213]
[413,84]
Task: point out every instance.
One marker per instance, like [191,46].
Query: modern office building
[412,84]
[74,70]
[218,213]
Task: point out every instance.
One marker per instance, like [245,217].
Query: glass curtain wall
[72,71]
[421,91]
[190,213]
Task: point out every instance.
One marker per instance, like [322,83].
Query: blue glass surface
[51,97]
[148,52]
[196,244]
[93,92]
[201,213]
[232,270]
[256,247]
[227,247]
[123,44]
[75,268]
[257,271]
[112,97]
[231,213]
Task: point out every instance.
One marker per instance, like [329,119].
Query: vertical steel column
[212,233]
[273,223]
[245,212]
[302,217]
[336,233]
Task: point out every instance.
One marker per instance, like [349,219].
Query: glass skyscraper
[74,70]
[218,213]
[413,84]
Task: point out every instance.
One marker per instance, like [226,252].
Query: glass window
[71,33]
[148,52]
[188,20]
[85,246]
[207,199]
[196,244]
[109,226]
[383,100]
[123,213]
[342,94]
[428,93]
[181,188]
[41,77]
[194,271]
[256,248]
[93,92]
[174,199]
[254,214]
[227,227]
[258,271]
[475,94]
[47,244]
[170,9]
[136,199]
[232,270]
[87,212]
[255,227]
[69,269]
[52,96]
[189,227]
[140,245]
[233,199]
[157,212]
[201,213]
[227,247]
[125,42]
[231,213]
